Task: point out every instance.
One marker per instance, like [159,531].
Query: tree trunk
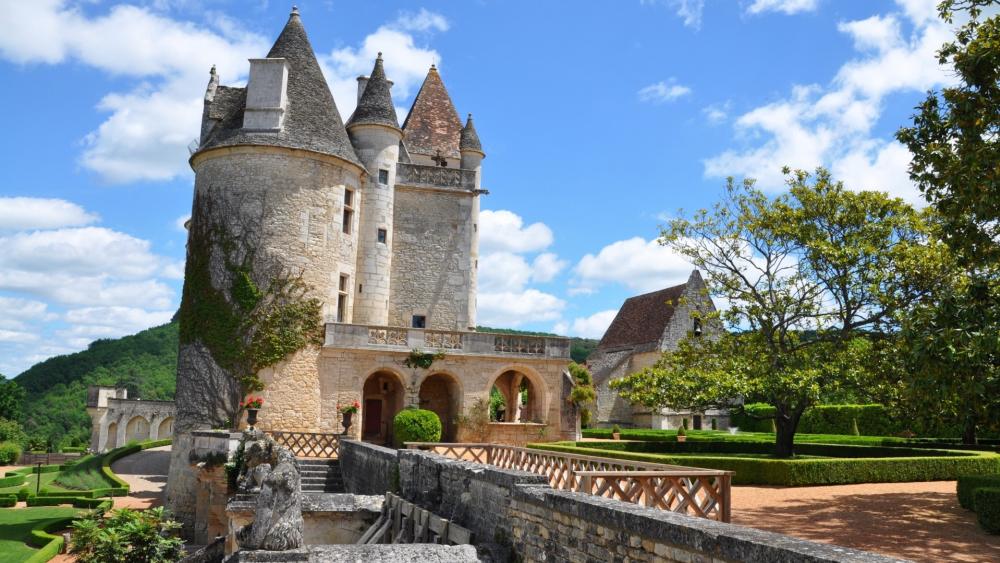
[786,423]
[969,434]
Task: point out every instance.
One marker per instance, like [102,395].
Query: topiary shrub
[416,425]
[987,500]
[9,453]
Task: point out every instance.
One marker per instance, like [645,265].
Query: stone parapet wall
[517,516]
[368,469]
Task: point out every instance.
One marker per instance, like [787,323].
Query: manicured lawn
[16,525]
[718,435]
[30,482]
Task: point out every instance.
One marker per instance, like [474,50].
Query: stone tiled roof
[433,125]
[643,318]
[470,139]
[375,106]
[312,121]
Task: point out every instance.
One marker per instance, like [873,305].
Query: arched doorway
[440,392]
[111,442]
[522,398]
[166,429]
[137,429]
[383,398]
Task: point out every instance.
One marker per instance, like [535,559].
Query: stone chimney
[267,95]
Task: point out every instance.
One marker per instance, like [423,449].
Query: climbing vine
[422,360]
[246,325]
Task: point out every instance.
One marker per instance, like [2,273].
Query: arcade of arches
[118,420]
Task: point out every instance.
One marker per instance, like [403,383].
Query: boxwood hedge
[987,500]
[416,425]
[968,484]
[861,465]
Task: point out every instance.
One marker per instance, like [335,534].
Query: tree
[809,280]
[583,393]
[11,399]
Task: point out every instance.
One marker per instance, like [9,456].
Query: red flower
[252,402]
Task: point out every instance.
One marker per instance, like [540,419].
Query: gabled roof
[375,106]
[470,139]
[312,121]
[643,318]
[433,125]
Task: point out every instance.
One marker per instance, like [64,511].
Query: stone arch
[165,429]
[441,392]
[111,437]
[137,429]
[515,382]
[382,396]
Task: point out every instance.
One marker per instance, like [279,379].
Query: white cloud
[717,113]
[546,267]
[85,251]
[663,91]
[406,62]
[513,309]
[503,271]
[181,221]
[636,263]
[785,6]
[503,230]
[593,326]
[832,125]
[145,137]
[26,213]
[17,336]
[125,320]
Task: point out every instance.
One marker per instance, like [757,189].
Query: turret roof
[312,121]
[433,126]
[375,105]
[470,139]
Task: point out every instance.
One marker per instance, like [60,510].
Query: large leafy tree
[955,142]
[11,399]
[809,282]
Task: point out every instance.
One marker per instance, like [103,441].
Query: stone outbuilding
[646,326]
[118,420]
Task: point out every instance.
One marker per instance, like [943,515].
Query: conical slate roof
[433,126]
[312,121]
[470,139]
[375,106]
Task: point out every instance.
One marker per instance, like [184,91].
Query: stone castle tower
[379,221]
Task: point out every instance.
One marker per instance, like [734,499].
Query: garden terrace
[817,464]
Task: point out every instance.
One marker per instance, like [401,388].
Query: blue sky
[599,119]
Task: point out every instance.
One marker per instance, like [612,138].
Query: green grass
[719,435]
[16,525]
[85,475]
[48,482]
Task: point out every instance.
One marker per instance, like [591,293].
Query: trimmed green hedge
[987,500]
[416,425]
[77,501]
[12,479]
[801,472]
[49,545]
[873,420]
[8,501]
[968,484]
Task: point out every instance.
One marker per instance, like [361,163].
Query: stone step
[321,481]
[314,472]
[303,461]
[311,489]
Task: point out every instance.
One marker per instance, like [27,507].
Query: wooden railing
[690,490]
[404,522]
[309,444]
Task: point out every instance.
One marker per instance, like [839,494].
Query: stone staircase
[321,476]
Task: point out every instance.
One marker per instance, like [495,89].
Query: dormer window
[697,327]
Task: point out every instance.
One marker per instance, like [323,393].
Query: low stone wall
[368,469]
[516,516]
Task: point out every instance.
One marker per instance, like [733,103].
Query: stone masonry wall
[368,469]
[431,264]
[517,516]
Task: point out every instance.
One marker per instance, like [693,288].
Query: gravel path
[146,474]
[918,521]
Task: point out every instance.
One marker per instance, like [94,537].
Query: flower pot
[348,421]
[682,438]
[251,417]
[616,435]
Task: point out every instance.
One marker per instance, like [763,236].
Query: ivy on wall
[259,315]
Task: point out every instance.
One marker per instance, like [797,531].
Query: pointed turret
[308,118]
[470,139]
[375,106]
[432,127]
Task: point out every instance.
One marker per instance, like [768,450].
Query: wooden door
[372,426]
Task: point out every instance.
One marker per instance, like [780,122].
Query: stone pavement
[146,474]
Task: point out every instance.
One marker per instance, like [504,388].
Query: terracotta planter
[251,417]
[682,438]
[616,435]
[348,421]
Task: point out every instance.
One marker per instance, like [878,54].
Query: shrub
[988,509]
[416,425]
[872,420]
[11,431]
[9,453]
[12,480]
[128,535]
[616,429]
[8,501]
[969,484]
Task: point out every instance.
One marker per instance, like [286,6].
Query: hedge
[968,484]
[8,501]
[12,479]
[77,501]
[987,501]
[73,449]
[49,545]
[416,425]
[801,472]
[873,420]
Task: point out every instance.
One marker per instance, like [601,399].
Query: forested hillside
[580,348]
[55,406]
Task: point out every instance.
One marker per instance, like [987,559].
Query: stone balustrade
[420,175]
[451,342]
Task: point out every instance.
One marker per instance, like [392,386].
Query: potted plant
[252,405]
[681,434]
[616,432]
[348,411]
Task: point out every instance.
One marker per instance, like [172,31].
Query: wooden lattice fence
[309,444]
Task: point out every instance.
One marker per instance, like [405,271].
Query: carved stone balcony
[451,342]
[422,176]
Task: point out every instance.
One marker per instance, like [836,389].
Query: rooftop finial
[295,10]
[212,72]
[434,66]
[379,57]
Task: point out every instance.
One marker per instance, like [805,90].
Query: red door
[372,427]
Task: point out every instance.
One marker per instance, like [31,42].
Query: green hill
[55,409]
[579,348]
